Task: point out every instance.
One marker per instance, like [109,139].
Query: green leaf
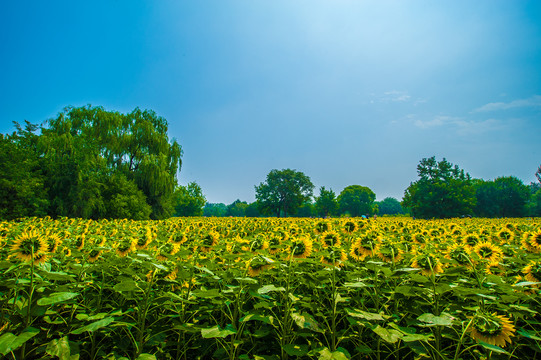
[494,348]
[339,354]
[257,317]
[6,340]
[94,326]
[10,342]
[146,357]
[55,298]
[60,348]
[216,332]
[356,313]
[528,335]
[247,280]
[357,284]
[206,293]
[432,320]
[127,285]
[389,335]
[268,288]
[305,321]
[295,350]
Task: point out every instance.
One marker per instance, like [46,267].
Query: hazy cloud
[534,101]
[461,125]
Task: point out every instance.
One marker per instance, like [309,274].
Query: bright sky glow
[348,92]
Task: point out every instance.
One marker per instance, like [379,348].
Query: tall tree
[189,200]
[83,147]
[22,189]
[326,203]
[283,192]
[389,206]
[442,191]
[356,200]
[511,196]
[236,208]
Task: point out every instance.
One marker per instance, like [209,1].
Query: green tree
[485,194]
[512,196]
[326,203]
[389,206]
[442,191]
[213,209]
[22,190]
[356,200]
[83,147]
[306,210]
[122,199]
[283,192]
[189,200]
[252,210]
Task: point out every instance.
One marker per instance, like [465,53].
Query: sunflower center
[487,325]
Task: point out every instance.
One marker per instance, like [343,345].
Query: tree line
[91,163]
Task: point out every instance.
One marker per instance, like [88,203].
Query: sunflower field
[269,288]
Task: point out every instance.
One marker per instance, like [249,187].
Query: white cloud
[395,96]
[534,101]
[462,126]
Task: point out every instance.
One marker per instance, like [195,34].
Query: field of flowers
[267,288]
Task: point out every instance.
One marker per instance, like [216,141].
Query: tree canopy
[283,192]
[442,191]
[189,200]
[326,203]
[357,200]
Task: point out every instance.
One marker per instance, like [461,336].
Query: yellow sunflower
[533,271]
[459,253]
[29,246]
[357,252]
[330,238]
[334,256]
[428,263]
[488,252]
[492,329]
[535,241]
[322,226]
[301,248]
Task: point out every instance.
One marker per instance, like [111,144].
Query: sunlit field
[268,288]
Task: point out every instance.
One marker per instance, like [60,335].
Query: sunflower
[53,241]
[505,234]
[535,241]
[322,226]
[488,252]
[330,238]
[389,251]
[525,241]
[302,247]
[492,329]
[255,265]
[94,255]
[428,263]
[533,271]
[125,246]
[29,246]
[349,227]
[357,252]
[335,256]
[209,240]
[459,253]
[471,240]
[79,242]
[367,245]
[168,249]
[275,244]
[259,243]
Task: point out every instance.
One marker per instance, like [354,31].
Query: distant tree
[189,200]
[389,206]
[534,206]
[305,210]
[326,204]
[283,192]
[212,209]
[237,208]
[486,194]
[442,191]
[356,200]
[22,189]
[82,147]
[538,174]
[511,197]
[122,199]
[252,210]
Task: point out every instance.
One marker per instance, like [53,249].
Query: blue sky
[348,92]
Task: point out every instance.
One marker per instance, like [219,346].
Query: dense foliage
[233,288]
[442,191]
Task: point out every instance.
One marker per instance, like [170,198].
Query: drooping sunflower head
[488,252]
[471,240]
[492,329]
[505,234]
[259,243]
[428,263]
[53,241]
[334,256]
[533,271]
[459,253]
[330,238]
[357,252]
[322,226]
[389,251]
[302,247]
[29,246]
[349,226]
[535,240]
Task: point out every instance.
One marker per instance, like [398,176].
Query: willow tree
[86,148]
